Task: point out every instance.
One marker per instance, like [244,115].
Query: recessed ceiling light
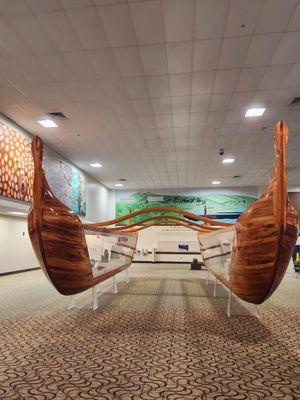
[255,112]
[96,165]
[118,184]
[17,213]
[216,182]
[228,160]
[47,123]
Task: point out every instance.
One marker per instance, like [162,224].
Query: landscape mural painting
[225,206]
[16,171]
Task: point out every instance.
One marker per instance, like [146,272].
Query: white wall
[100,203]
[149,238]
[16,250]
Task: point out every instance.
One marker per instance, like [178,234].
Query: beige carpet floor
[162,336]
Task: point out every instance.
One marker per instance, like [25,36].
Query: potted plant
[196,265]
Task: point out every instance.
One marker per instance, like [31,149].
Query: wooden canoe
[263,237]
[58,237]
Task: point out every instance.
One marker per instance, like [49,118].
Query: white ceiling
[153,89]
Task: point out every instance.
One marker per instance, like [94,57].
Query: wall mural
[225,206]
[16,172]
[16,164]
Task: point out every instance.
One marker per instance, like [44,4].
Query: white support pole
[229,303]
[72,301]
[207,277]
[95,300]
[215,287]
[115,287]
[127,275]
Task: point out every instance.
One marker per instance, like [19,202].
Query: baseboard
[18,272]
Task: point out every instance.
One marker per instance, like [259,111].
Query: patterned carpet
[162,336]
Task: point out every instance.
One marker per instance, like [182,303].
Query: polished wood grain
[209,221]
[265,234]
[171,218]
[58,237]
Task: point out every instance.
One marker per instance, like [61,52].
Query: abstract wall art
[16,164]
[17,171]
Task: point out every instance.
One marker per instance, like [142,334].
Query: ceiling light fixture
[228,160]
[96,165]
[216,182]
[47,123]
[118,184]
[255,112]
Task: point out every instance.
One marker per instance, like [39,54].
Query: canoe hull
[261,252]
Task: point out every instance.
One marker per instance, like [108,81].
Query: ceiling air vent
[57,114]
[295,102]
[237,176]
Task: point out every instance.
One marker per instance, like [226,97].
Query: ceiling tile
[220,101]
[198,119]
[179,20]
[242,17]
[148,21]
[116,20]
[181,104]
[76,3]
[250,78]
[216,118]
[128,60]
[103,62]
[44,6]
[179,57]
[293,78]
[158,85]
[274,76]
[164,121]
[262,49]
[288,49]
[10,41]
[59,29]
[161,105]
[142,106]
[200,102]
[203,82]
[294,23]
[180,84]
[154,59]
[233,52]
[114,88]
[122,107]
[275,15]
[33,68]
[181,120]
[80,63]
[226,80]
[11,72]
[210,24]
[136,88]
[241,100]
[57,67]
[147,121]
[35,37]
[88,27]
[206,53]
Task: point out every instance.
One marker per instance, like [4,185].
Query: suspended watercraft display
[249,257]
[60,240]
[252,256]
